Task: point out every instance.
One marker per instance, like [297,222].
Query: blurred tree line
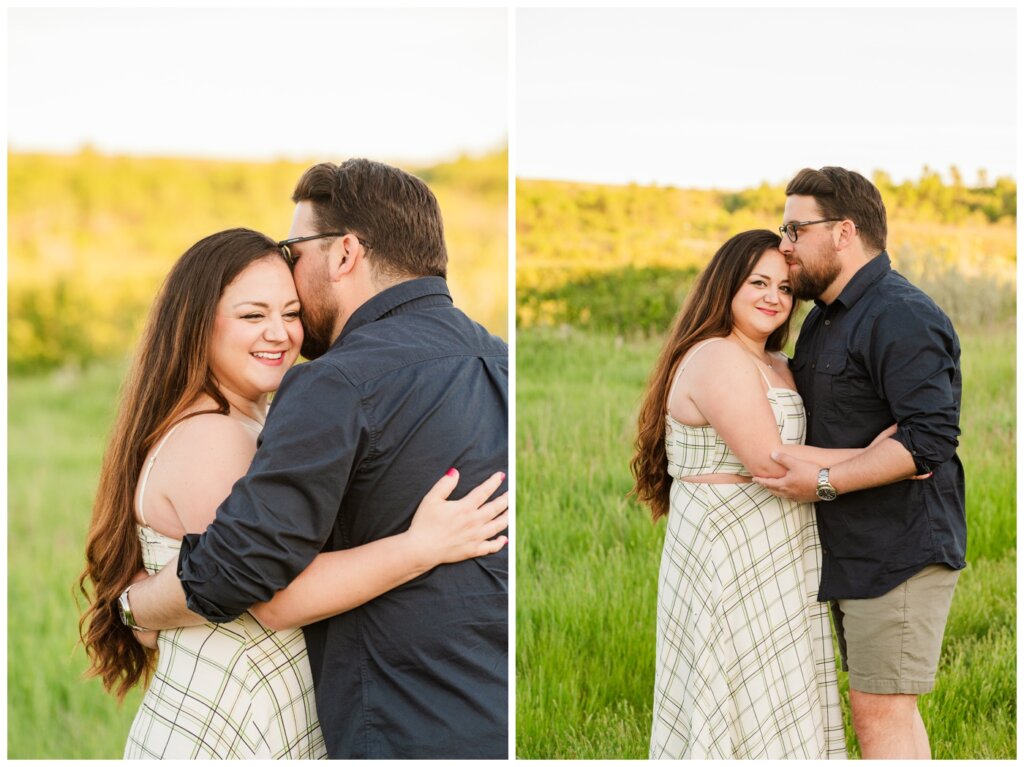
[91,237]
[620,258]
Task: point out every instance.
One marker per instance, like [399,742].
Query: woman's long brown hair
[170,371]
[706,313]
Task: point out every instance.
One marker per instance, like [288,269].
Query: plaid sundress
[745,665]
[224,691]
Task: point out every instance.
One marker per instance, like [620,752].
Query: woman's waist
[716,478]
[693,466]
[712,459]
[242,634]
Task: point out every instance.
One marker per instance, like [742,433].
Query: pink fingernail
[451,472]
[502,476]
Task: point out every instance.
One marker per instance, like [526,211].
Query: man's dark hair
[391,210]
[842,193]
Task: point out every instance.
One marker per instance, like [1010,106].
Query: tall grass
[57,430]
[587,559]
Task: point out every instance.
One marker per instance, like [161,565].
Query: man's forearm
[159,602]
[882,464]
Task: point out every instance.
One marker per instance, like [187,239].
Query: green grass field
[587,559]
[57,429]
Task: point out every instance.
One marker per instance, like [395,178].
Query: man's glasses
[790,229]
[291,258]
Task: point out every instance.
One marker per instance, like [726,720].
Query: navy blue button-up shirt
[352,443]
[883,352]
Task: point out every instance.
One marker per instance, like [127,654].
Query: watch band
[125,609]
[825,490]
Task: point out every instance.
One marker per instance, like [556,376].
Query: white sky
[728,98]
[393,84]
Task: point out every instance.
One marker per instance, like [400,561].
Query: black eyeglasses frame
[789,230]
[285,245]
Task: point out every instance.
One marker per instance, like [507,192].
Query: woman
[745,665]
[225,329]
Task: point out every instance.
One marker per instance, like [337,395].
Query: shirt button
[828,364]
[828,322]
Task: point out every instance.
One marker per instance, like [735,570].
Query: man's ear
[847,233]
[344,257]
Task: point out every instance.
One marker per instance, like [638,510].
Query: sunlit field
[587,559]
[90,240]
[601,271]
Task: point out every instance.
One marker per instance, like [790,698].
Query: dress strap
[149,468]
[766,381]
[682,367]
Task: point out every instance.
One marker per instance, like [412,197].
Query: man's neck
[370,291]
[850,268]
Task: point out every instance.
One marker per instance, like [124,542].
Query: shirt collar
[390,299]
[865,277]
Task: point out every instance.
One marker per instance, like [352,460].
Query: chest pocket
[828,370]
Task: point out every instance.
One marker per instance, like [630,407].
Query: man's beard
[810,282]
[318,316]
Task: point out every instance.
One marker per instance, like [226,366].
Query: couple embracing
[792,488]
[336,604]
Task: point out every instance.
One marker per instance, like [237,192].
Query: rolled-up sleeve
[915,365]
[279,514]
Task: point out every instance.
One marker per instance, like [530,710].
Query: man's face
[813,260]
[319,305]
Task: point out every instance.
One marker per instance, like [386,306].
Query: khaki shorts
[890,644]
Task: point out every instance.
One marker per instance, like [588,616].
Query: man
[873,351]
[400,383]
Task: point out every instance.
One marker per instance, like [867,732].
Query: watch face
[826,493]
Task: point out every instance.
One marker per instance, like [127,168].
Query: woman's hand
[145,638]
[451,531]
[883,435]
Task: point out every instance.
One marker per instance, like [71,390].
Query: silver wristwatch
[125,609]
[825,490]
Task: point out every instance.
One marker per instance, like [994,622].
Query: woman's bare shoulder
[211,451]
[211,424]
[718,356]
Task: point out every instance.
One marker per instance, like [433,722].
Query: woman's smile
[270,358]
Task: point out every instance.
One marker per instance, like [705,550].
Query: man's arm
[211,452]
[441,531]
[159,602]
[278,516]
[913,362]
[882,464]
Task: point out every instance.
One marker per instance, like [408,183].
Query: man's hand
[158,602]
[799,483]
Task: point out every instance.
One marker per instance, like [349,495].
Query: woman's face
[765,298]
[257,332]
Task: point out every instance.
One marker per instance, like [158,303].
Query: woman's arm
[723,383]
[441,531]
[831,456]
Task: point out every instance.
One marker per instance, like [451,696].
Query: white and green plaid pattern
[228,691]
[745,666]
